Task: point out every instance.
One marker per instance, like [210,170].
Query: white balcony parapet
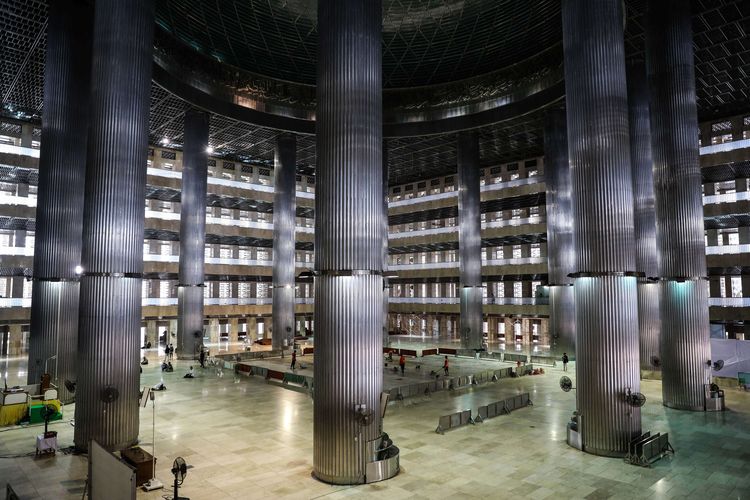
[209,301]
[513,222]
[24,201]
[423,199]
[422,232]
[423,300]
[18,150]
[422,265]
[515,262]
[729,301]
[21,251]
[176,174]
[726,198]
[726,146]
[534,179]
[516,301]
[11,302]
[727,249]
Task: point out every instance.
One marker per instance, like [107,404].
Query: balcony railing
[24,201]
[23,251]
[726,198]
[727,249]
[222,301]
[18,150]
[422,265]
[726,146]
[8,302]
[729,302]
[515,261]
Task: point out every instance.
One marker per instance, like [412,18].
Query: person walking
[294,359]
[445,366]
[402,364]
[202,358]
[565,361]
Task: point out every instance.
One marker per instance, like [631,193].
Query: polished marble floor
[245,438]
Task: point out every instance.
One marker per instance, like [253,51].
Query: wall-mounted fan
[109,394]
[635,399]
[70,386]
[655,362]
[566,384]
[718,365]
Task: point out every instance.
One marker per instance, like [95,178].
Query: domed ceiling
[425,42]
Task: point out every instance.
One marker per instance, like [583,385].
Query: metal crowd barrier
[504,406]
[515,357]
[453,420]
[647,449]
[544,360]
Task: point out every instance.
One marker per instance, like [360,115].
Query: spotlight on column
[78,270]
[209,150]
[165,141]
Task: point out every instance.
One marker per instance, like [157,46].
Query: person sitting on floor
[144,361]
[159,387]
[190,374]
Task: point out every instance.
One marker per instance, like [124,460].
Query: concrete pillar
[190,291]
[470,241]
[15,344]
[684,343]
[348,240]
[561,258]
[213,330]
[644,216]
[284,210]
[602,199]
[110,294]
[252,329]
[152,333]
[234,331]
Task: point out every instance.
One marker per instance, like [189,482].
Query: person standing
[565,361]
[445,366]
[202,358]
[402,364]
[294,359]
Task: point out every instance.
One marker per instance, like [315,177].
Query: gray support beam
[192,235]
[284,210]
[602,200]
[469,241]
[113,220]
[684,342]
[644,216]
[348,240]
[560,254]
[59,213]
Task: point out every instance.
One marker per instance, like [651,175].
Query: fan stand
[176,490]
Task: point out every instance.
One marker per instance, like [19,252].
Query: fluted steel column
[384,221]
[684,343]
[469,241]
[284,213]
[602,201]
[348,239]
[59,212]
[646,252]
[192,235]
[560,253]
[113,220]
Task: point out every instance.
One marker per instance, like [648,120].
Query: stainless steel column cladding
[560,254]
[602,201]
[469,241]
[284,216]
[192,235]
[59,212]
[386,284]
[112,255]
[684,342]
[348,239]
[644,216]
